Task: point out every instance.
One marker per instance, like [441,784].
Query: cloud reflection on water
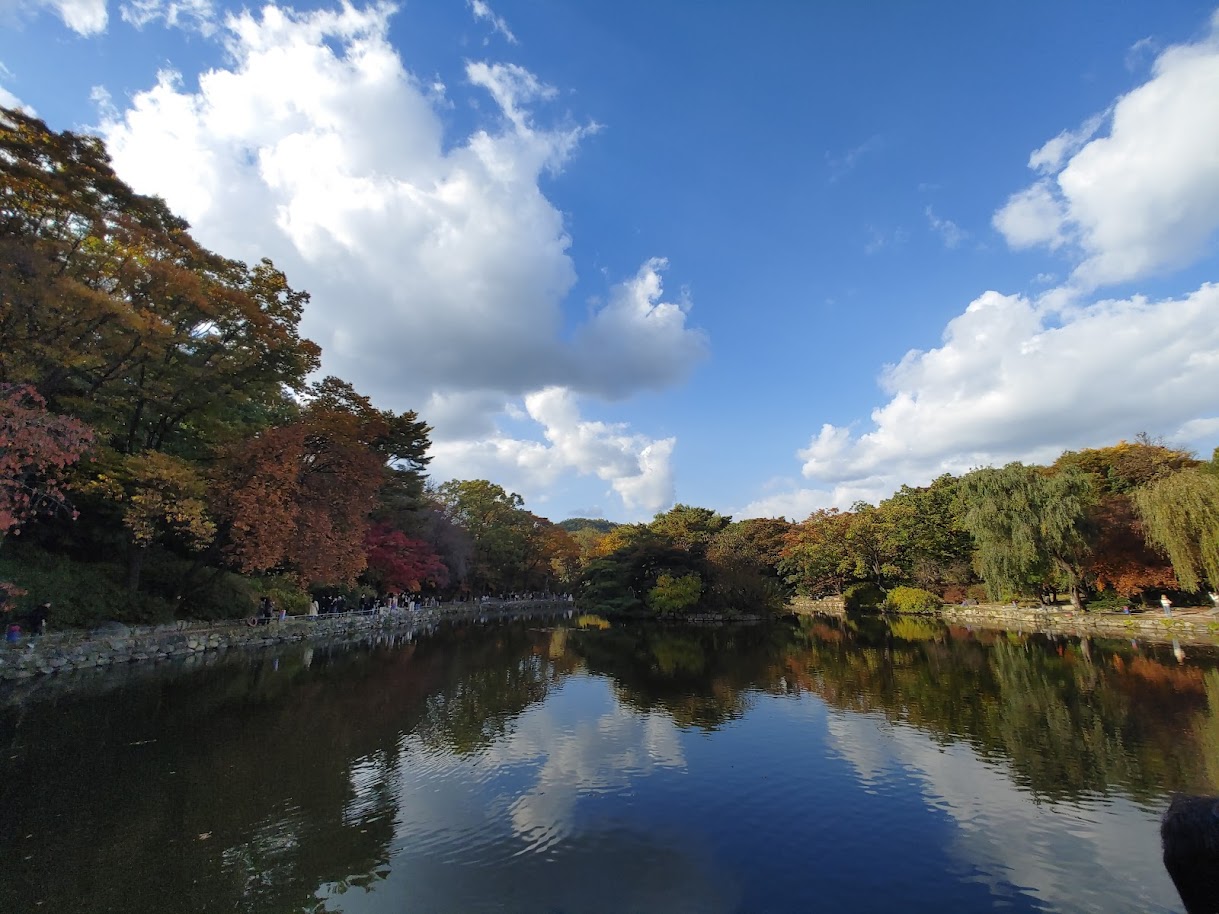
[1072,856]
[473,830]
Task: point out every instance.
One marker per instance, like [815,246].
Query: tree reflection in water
[1070,717]
[278,783]
[245,786]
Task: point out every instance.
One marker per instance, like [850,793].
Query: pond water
[833,766]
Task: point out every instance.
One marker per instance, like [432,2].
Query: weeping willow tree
[1180,515]
[1030,528]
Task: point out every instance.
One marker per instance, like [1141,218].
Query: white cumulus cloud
[438,268]
[1050,157]
[1012,381]
[9,100]
[636,340]
[85,17]
[1023,379]
[636,467]
[796,502]
[1144,197]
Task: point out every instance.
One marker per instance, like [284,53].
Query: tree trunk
[1077,602]
[135,564]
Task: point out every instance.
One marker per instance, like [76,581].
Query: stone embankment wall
[119,644]
[1195,626]
[1186,625]
[825,606]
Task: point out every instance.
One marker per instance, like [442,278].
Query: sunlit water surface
[536,768]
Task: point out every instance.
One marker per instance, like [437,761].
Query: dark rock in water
[1189,833]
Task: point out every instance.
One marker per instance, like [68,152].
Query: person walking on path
[1167,604]
[38,618]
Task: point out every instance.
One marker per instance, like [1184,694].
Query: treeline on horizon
[1108,526]
[164,453]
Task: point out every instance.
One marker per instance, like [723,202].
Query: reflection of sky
[543,819]
[605,754]
[1073,857]
[584,805]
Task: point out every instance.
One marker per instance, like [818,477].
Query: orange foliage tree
[562,553]
[297,498]
[1123,467]
[1120,558]
[117,315]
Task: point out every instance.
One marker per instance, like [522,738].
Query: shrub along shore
[1187,625]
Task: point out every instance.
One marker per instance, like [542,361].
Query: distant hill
[572,524]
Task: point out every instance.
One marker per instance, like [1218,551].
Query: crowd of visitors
[392,603]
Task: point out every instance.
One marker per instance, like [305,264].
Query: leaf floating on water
[205,836]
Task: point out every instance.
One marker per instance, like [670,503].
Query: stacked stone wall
[119,644]
[1193,625]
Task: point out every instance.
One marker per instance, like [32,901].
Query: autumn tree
[559,554]
[759,540]
[1120,558]
[1127,465]
[36,450]
[298,498]
[395,561]
[588,543]
[162,498]
[451,541]
[622,536]
[815,559]
[587,533]
[743,559]
[620,581]
[116,315]
[872,544]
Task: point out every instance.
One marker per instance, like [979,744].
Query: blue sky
[763,258]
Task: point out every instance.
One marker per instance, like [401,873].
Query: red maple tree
[398,562]
[36,449]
